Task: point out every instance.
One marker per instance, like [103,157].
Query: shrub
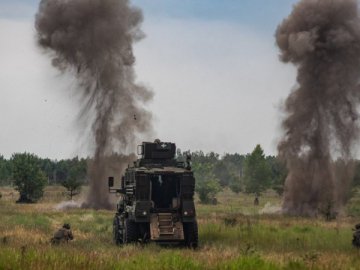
[28,177]
[207,190]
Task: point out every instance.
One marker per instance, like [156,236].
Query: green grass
[233,235]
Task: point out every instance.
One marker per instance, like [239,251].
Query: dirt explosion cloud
[93,39]
[322,39]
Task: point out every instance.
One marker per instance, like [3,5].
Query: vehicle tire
[131,234]
[191,234]
[117,231]
[144,232]
[356,241]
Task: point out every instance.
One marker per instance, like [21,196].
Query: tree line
[55,171]
[30,174]
[251,173]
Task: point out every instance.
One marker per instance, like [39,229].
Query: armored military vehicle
[156,198]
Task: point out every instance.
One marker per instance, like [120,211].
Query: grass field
[233,235]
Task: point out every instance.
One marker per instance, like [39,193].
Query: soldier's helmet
[157,141]
[357,226]
[66,226]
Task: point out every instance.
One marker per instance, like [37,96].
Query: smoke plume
[322,39]
[93,40]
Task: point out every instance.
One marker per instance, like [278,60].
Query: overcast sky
[212,64]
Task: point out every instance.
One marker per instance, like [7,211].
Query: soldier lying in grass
[63,235]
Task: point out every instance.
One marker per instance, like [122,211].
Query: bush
[207,190]
[235,184]
[28,177]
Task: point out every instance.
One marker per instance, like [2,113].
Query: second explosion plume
[322,39]
[93,40]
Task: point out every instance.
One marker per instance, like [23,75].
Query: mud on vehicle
[156,199]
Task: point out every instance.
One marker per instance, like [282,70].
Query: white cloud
[217,88]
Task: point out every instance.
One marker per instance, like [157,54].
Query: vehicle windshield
[165,191]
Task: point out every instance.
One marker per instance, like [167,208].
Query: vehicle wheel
[356,241]
[117,231]
[191,234]
[144,232]
[131,232]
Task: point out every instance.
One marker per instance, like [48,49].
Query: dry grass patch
[252,241]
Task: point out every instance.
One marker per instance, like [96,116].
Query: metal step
[166,225]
